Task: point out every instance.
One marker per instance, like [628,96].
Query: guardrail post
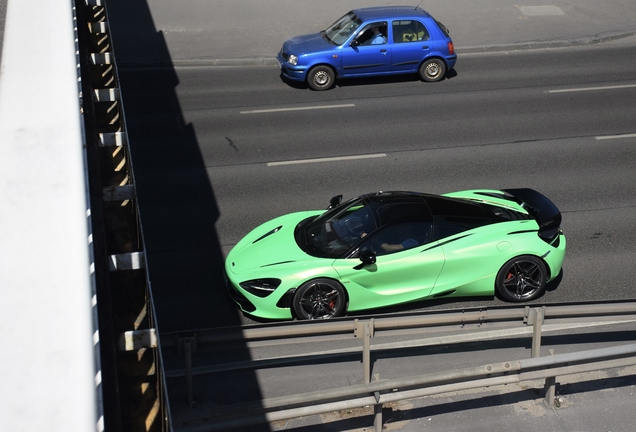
[535,317]
[550,387]
[377,413]
[365,330]
[187,345]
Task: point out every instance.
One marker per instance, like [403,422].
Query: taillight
[451,48]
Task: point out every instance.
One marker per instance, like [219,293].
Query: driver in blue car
[378,38]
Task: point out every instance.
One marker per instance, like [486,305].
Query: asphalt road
[240,31]
[503,120]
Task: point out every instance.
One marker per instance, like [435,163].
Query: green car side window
[399,237]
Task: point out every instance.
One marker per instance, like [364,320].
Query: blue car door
[369,52]
[411,43]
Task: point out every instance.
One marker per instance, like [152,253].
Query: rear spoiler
[541,209]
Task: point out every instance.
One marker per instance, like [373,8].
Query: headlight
[261,287]
[293,59]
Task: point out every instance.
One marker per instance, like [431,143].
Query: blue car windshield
[341,30]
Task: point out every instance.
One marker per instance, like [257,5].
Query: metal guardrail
[113,191]
[375,393]
[381,392]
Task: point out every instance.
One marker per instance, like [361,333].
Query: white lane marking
[592,88]
[606,137]
[298,108]
[331,159]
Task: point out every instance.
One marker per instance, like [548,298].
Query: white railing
[47,334]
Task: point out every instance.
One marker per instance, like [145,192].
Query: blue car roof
[390,12]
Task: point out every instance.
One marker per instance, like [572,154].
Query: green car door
[406,268]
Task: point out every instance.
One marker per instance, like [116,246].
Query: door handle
[425,47]
[383,51]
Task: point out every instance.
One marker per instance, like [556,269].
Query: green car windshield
[335,232]
[341,30]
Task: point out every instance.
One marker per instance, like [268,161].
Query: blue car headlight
[261,287]
[292,59]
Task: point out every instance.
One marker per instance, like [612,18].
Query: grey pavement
[252,31]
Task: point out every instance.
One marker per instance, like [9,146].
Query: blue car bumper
[295,73]
[450,61]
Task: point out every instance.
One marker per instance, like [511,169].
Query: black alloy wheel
[522,279]
[319,299]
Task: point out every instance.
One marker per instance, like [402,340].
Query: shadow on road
[178,209]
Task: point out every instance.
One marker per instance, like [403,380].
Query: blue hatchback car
[386,40]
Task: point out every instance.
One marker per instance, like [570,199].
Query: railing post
[550,387]
[365,330]
[188,346]
[535,317]
[377,413]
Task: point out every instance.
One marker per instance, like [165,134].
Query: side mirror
[334,201]
[367,257]
[354,43]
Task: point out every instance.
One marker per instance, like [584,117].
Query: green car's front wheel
[522,278]
[319,299]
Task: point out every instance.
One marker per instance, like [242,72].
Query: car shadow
[365,81]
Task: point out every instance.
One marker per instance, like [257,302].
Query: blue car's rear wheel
[319,299]
[321,78]
[521,279]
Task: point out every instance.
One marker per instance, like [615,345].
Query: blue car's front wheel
[321,77]
[319,299]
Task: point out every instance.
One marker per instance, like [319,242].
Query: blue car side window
[373,34]
[409,31]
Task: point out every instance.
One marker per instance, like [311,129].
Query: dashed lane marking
[298,108]
[330,159]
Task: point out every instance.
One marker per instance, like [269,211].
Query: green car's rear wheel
[521,279]
[319,299]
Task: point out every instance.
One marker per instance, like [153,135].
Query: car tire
[319,299]
[321,78]
[433,70]
[523,278]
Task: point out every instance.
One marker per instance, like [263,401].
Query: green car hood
[269,245]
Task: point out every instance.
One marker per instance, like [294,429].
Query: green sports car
[388,248]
